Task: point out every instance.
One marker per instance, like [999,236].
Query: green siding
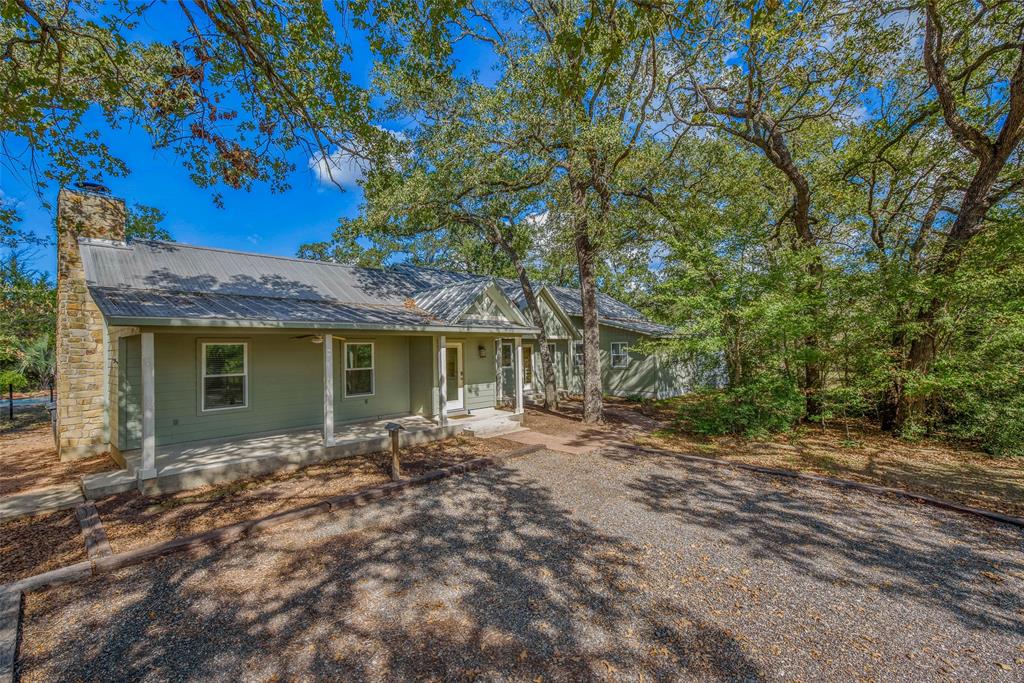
[129,393]
[285,388]
[480,379]
[642,376]
[561,360]
[391,381]
[285,385]
[639,377]
[553,326]
[421,376]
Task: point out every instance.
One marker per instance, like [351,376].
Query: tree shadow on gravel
[954,563]
[483,577]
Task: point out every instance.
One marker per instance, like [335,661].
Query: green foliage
[235,93]
[27,300]
[143,223]
[763,406]
[36,360]
[12,378]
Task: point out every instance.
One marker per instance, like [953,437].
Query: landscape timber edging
[238,530]
[832,481]
[11,594]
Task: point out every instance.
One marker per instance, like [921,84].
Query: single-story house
[175,358]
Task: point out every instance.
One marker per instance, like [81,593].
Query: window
[527,365]
[577,355]
[506,355]
[359,369]
[620,354]
[225,375]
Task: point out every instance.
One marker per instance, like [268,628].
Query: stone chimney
[81,373]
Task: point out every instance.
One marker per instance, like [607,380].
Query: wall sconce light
[482,351]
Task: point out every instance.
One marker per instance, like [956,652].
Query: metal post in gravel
[396,467]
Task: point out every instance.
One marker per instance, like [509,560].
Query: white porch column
[328,390]
[519,375]
[148,469]
[442,381]
[499,374]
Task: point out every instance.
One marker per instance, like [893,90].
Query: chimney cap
[96,188]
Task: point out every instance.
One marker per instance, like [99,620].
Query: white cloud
[254,238]
[342,168]
[537,219]
[337,169]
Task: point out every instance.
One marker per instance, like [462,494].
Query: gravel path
[607,566]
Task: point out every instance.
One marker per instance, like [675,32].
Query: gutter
[307,325]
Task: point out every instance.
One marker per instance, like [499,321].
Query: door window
[451,372]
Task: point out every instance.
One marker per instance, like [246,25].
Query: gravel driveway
[605,566]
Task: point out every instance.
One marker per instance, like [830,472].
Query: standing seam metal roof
[153,279]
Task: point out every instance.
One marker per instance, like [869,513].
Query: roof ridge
[223,250]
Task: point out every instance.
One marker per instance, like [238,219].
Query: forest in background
[826,196]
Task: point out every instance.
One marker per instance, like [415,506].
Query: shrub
[764,406]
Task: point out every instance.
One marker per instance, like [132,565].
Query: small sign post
[396,467]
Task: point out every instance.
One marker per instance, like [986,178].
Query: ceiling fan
[315,338]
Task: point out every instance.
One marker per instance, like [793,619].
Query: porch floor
[201,463]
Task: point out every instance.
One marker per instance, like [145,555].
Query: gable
[555,326]
[493,305]
[485,308]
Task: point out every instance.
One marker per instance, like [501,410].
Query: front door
[453,377]
[508,370]
[527,368]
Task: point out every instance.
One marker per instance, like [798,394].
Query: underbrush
[755,410]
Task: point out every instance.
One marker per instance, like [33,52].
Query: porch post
[148,470]
[519,375]
[499,374]
[328,390]
[442,381]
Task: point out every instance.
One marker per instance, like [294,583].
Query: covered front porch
[200,407]
[214,461]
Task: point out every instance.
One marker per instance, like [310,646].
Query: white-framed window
[506,355]
[577,355]
[620,354]
[359,376]
[225,375]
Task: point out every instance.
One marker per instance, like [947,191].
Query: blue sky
[250,221]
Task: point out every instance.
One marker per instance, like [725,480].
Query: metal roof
[643,327]
[153,280]
[451,301]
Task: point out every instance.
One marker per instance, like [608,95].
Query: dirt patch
[864,453]
[28,460]
[621,420]
[32,545]
[133,521]
[861,452]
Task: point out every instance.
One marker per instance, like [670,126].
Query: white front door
[527,368]
[453,377]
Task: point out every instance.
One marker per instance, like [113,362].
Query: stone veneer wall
[82,363]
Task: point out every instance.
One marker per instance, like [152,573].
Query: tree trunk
[969,222]
[547,362]
[991,153]
[811,383]
[592,395]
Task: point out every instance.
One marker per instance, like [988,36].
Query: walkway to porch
[201,463]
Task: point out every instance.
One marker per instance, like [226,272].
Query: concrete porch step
[103,484]
[38,501]
[494,426]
